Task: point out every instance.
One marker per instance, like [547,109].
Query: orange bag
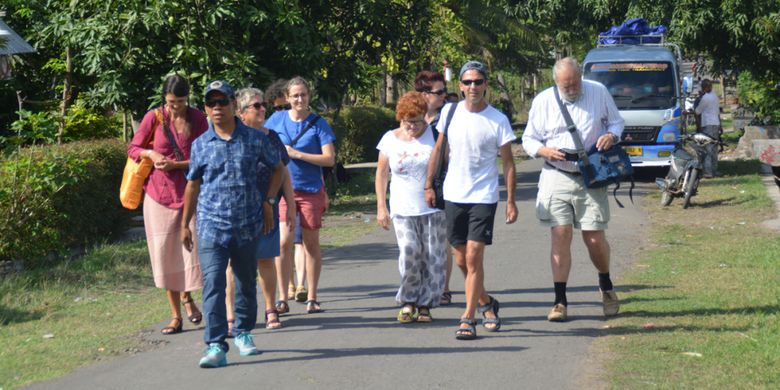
[131,191]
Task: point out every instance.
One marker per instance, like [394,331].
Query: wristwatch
[272,201]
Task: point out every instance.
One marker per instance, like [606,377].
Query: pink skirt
[174,268]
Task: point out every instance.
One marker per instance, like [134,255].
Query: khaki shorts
[563,199]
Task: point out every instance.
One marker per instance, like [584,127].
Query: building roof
[14,44]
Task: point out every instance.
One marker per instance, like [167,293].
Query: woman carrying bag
[165,137]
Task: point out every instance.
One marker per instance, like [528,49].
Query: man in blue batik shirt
[231,214]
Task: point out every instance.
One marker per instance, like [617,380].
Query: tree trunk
[390,91]
[506,100]
[66,93]
[383,90]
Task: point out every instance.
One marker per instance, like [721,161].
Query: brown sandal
[196,317]
[172,329]
[273,323]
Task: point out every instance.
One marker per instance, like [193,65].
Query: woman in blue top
[309,141]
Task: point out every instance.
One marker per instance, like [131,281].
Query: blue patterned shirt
[230,201]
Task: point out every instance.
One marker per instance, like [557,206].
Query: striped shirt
[594,114]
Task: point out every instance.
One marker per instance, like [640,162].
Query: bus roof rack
[605,40]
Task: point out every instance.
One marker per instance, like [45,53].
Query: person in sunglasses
[174,269]
[309,141]
[251,110]
[434,91]
[232,213]
[477,133]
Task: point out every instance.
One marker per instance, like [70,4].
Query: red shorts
[309,205]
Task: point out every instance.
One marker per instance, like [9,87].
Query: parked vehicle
[646,82]
[685,169]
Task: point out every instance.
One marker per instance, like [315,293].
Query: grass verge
[57,319]
[700,307]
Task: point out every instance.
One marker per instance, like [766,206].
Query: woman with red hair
[420,229]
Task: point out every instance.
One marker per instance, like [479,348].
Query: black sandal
[446,298]
[196,317]
[468,333]
[490,306]
[312,306]
[168,330]
[282,307]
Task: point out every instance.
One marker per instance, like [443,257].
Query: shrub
[358,130]
[58,196]
[761,95]
[84,123]
[32,128]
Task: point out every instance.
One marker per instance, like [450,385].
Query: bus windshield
[636,85]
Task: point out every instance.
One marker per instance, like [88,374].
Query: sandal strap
[488,306]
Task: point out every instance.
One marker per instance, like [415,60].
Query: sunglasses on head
[259,105]
[215,102]
[282,107]
[475,82]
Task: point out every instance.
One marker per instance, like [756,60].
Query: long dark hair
[176,85]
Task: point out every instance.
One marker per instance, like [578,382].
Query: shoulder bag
[599,168]
[305,129]
[131,190]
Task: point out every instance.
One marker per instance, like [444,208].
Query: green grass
[74,314]
[708,283]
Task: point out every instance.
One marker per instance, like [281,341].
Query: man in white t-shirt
[709,109]
[563,202]
[477,133]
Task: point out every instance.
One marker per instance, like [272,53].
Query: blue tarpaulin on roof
[629,33]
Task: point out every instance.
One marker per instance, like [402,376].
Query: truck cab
[645,82]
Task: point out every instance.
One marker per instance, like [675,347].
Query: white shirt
[594,114]
[709,109]
[474,139]
[408,162]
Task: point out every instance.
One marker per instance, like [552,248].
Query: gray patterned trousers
[422,244]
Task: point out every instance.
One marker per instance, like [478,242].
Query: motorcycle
[685,170]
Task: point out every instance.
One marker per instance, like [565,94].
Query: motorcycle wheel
[666,198]
[690,187]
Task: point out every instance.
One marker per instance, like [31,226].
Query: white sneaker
[215,357]
[611,303]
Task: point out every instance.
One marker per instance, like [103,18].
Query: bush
[762,96]
[32,128]
[358,130]
[58,196]
[84,123]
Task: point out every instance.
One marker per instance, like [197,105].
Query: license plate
[633,150]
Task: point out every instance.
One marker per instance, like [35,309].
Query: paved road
[356,342]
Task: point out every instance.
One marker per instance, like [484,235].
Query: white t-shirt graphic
[408,162]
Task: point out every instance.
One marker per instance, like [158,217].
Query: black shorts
[469,222]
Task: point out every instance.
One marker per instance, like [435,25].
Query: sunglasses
[217,102]
[282,107]
[259,105]
[476,82]
[439,92]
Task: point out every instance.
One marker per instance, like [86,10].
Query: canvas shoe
[245,345]
[215,357]
[557,313]
[611,303]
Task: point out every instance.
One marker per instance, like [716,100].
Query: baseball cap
[221,86]
[474,65]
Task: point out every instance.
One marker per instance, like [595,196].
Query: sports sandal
[406,314]
[312,306]
[468,333]
[301,294]
[490,306]
[282,307]
[172,329]
[274,322]
[424,314]
[196,315]
[446,298]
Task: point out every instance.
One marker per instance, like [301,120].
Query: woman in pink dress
[171,129]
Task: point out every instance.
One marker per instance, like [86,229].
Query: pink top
[166,188]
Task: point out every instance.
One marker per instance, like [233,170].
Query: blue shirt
[230,201]
[306,177]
